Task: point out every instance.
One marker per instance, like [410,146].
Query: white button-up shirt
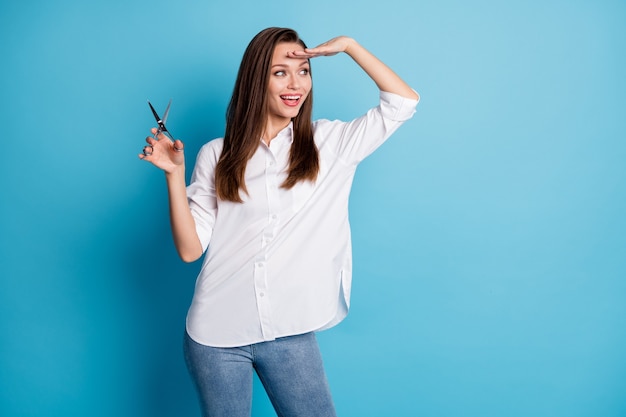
[280,264]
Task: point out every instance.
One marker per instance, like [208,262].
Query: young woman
[269,205]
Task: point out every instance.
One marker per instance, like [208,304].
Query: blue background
[489,232]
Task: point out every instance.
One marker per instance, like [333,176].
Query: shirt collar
[284,137]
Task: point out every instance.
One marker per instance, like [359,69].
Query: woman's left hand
[329,48]
[381,74]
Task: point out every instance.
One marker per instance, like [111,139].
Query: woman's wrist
[176,173]
[351,45]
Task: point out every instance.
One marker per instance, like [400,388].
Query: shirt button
[262,294]
[260,264]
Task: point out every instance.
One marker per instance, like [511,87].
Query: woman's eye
[279,73]
[304,71]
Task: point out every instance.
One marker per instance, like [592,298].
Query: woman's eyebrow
[302,64]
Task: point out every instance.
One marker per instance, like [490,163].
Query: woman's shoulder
[213,146]
[211,150]
[324,123]
[214,143]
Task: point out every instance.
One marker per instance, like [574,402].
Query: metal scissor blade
[167,112]
[156,115]
[161,122]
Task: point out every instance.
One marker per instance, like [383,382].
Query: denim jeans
[289,368]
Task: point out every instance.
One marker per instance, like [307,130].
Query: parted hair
[247,114]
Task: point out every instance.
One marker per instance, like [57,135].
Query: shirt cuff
[395,107]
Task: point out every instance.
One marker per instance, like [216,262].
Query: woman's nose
[294,83]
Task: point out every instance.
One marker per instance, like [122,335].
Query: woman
[269,205]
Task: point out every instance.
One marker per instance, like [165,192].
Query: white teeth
[290,97]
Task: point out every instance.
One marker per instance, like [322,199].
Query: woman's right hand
[163,152]
[329,48]
[167,154]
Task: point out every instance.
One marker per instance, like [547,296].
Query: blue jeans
[290,369]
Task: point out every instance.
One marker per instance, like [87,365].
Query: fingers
[158,134]
[322,50]
[179,146]
[156,137]
[329,48]
[160,149]
[310,53]
[147,151]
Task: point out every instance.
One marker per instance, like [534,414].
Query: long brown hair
[247,114]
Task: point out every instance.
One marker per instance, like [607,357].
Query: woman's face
[289,84]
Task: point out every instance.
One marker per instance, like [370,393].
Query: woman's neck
[272,127]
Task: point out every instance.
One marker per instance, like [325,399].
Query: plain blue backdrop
[489,232]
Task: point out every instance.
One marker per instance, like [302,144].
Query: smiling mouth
[291,100]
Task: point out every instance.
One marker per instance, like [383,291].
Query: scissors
[161,122]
